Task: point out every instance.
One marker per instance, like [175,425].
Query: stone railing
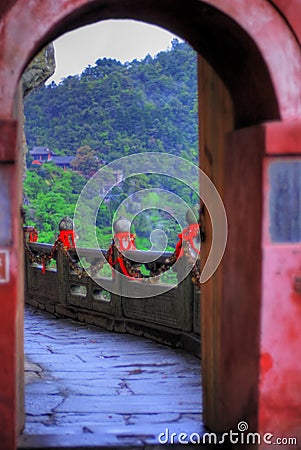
[172,317]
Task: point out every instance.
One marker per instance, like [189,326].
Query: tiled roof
[62,159]
[40,151]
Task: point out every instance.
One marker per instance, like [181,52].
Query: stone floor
[89,387]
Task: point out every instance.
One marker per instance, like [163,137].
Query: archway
[239,44]
[234,46]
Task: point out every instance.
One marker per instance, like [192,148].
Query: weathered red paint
[4,6]
[20,39]
[283,137]
[280,388]
[266,27]
[267,316]
[266,363]
[291,10]
[11,308]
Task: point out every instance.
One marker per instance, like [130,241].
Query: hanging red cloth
[31,234]
[67,238]
[188,235]
[125,241]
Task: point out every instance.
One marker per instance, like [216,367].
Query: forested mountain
[118,109]
[109,111]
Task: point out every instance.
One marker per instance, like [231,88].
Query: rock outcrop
[39,69]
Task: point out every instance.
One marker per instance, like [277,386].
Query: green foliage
[118,109]
[109,111]
[50,193]
[86,161]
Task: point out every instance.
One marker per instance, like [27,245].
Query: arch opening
[83,293]
[255,94]
[251,106]
[225,45]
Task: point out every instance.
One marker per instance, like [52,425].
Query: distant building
[63,161]
[41,155]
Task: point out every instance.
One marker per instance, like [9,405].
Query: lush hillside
[118,109]
[111,110]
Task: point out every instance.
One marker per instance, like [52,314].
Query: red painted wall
[6,5]
[266,286]
[25,29]
[291,10]
[280,377]
[11,285]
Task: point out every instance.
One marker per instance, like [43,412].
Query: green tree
[86,161]
[115,109]
[119,109]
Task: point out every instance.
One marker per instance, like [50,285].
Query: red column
[11,288]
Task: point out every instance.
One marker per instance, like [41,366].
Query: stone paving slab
[113,426]
[135,404]
[85,382]
[37,406]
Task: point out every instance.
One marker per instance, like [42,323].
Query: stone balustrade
[172,317]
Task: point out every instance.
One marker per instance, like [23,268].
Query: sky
[123,40]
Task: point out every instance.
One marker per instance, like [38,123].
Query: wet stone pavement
[88,386]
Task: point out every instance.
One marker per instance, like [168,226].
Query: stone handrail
[172,318]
